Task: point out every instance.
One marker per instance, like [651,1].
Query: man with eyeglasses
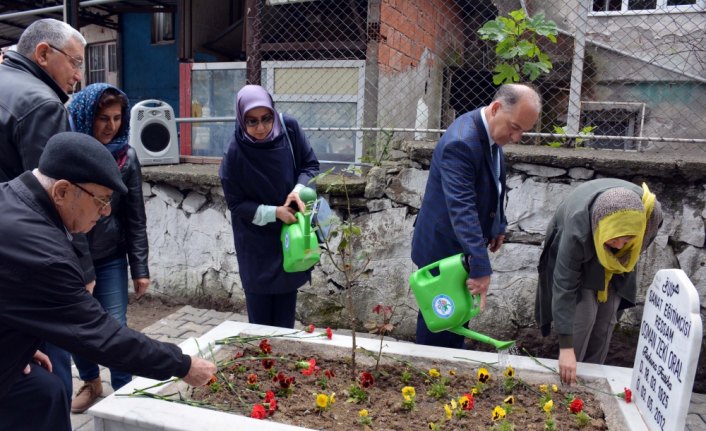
[42,296]
[34,82]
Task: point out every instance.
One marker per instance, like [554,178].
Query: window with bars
[102,63]
[646,5]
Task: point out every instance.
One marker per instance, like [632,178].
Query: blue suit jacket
[461,198]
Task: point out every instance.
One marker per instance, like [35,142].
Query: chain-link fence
[362,75]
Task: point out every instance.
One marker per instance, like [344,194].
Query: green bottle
[445,302]
[300,246]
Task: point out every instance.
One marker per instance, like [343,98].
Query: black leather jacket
[31,111]
[125,229]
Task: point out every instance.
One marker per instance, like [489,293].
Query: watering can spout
[465,332]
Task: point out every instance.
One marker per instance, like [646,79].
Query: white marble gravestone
[667,351]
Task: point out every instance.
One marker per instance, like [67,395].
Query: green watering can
[445,302]
[300,246]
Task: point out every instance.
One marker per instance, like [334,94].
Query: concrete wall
[192,246]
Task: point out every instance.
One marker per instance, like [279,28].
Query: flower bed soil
[237,390]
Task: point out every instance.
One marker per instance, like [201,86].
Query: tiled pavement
[193,322]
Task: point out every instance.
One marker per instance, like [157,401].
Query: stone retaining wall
[192,244]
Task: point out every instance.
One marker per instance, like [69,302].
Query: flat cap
[80,158]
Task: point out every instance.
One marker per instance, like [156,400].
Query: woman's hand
[286,214]
[567,365]
[141,285]
[294,197]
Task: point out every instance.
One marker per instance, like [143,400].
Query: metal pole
[573,115]
[252,40]
[71,13]
[49,9]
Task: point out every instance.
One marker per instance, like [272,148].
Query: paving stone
[213,314]
[695,422]
[193,327]
[197,319]
[188,309]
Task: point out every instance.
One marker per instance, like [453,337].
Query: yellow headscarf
[623,222]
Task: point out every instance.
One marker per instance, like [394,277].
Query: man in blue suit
[462,210]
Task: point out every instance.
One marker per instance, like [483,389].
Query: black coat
[125,229]
[43,296]
[32,111]
[254,174]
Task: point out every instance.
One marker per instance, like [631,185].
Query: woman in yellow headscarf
[587,266]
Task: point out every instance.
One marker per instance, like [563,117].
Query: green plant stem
[578,381]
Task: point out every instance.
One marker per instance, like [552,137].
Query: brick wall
[409,27]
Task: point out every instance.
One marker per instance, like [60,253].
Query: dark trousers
[272,310]
[61,365]
[35,402]
[439,339]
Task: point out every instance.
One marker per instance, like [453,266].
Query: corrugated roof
[16,16]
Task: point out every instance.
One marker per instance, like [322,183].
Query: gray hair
[51,31]
[511,94]
[47,182]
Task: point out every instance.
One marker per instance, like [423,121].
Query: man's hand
[286,214]
[495,243]
[90,286]
[479,286]
[140,285]
[567,365]
[200,372]
[42,360]
[294,197]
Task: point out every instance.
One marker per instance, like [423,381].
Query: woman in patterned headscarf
[102,111]
[268,161]
[587,266]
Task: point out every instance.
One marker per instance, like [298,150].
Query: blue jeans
[111,291]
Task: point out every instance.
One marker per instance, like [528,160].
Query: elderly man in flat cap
[42,291]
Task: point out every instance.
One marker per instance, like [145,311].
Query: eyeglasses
[265,121]
[101,203]
[76,62]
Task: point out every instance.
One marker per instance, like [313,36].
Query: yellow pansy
[408,393]
[543,389]
[548,406]
[474,390]
[434,373]
[509,372]
[554,388]
[332,398]
[483,375]
[498,413]
[363,413]
[448,411]
[322,401]
[509,400]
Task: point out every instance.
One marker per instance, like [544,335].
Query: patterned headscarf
[82,109]
[250,97]
[616,213]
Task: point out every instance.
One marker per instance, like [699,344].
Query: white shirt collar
[485,124]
